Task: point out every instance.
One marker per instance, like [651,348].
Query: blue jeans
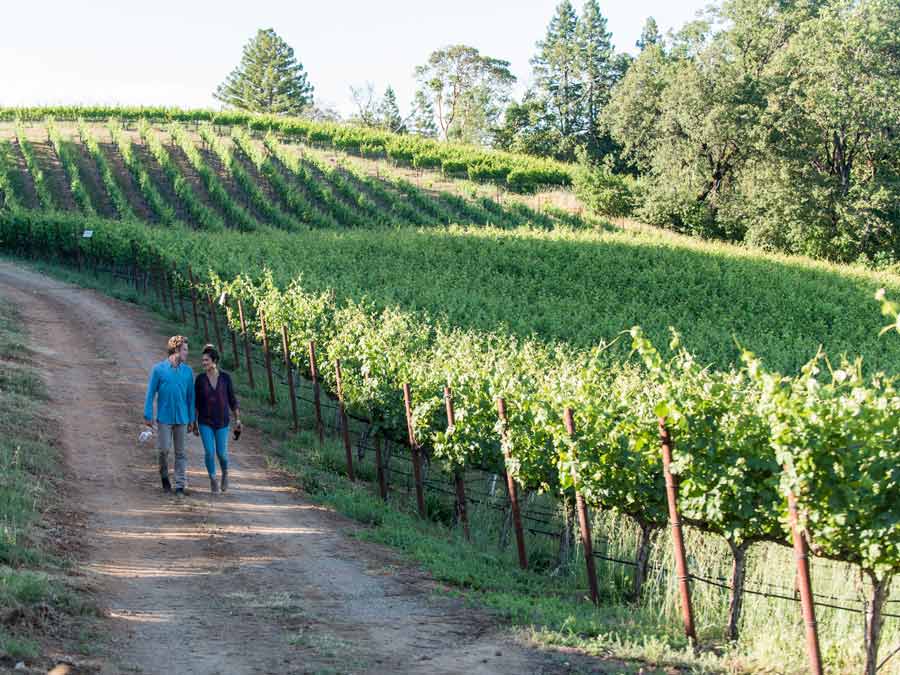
[215,442]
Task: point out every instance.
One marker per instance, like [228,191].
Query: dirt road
[254,581]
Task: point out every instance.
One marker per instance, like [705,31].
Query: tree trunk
[642,563]
[736,599]
[881,588]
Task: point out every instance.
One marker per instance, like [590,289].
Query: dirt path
[254,581]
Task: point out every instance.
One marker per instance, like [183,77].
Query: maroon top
[213,404]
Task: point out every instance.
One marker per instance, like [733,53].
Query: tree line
[771,122]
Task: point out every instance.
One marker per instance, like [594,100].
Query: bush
[606,193]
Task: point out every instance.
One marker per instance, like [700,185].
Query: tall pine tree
[557,71]
[269,79]
[600,70]
[423,122]
[649,34]
[389,112]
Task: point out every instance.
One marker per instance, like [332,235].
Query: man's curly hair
[175,343]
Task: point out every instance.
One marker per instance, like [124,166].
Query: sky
[175,53]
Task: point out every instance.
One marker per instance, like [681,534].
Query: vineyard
[490,338]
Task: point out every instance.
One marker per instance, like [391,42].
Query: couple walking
[185,404]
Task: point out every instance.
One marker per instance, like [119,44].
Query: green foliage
[531,172]
[9,193]
[116,196]
[202,216]
[235,214]
[772,123]
[158,205]
[605,192]
[269,79]
[41,186]
[67,160]
[469,89]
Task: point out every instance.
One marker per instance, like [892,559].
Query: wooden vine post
[317,394]
[681,567]
[289,366]
[801,557]
[511,487]
[180,298]
[215,319]
[458,480]
[416,455]
[267,357]
[193,297]
[379,469]
[345,427]
[170,282]
[583,519]
[246,337]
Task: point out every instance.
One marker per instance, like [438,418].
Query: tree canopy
[269,78]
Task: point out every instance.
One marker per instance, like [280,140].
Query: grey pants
[169,435]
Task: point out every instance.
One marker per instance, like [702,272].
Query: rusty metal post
[286,346]
[681,568]
[416,456]
[801,556]
[317,394]
[215,320]
[267,357]
[457,471]
[583,520]
[345,428]
[246,343]
[379,469]
[512,489]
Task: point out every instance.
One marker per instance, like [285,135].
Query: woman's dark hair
[212,353]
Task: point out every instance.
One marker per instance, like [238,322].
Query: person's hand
[195,429]
[149,423]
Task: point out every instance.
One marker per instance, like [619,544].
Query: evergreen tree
[389,113]
[423,122]
[269,79]
[649,34]
[600,70]
[557,70]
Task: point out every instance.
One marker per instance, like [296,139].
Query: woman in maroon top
[214,396]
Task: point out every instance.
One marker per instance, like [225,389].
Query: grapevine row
[63,152]
[518,172]
[235,214]
[257,198]
[202,215]
[744,438]
[118,198]
[157,203]
[9,196]
[295,200]
[323,195]
[41,187]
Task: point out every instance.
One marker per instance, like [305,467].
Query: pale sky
[163,52]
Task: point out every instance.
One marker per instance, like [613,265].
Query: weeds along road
[253,581]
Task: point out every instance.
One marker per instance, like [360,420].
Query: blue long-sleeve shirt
[174,390]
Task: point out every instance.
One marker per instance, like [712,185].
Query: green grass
[33,590]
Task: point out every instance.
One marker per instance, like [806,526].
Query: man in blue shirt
[172,385]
